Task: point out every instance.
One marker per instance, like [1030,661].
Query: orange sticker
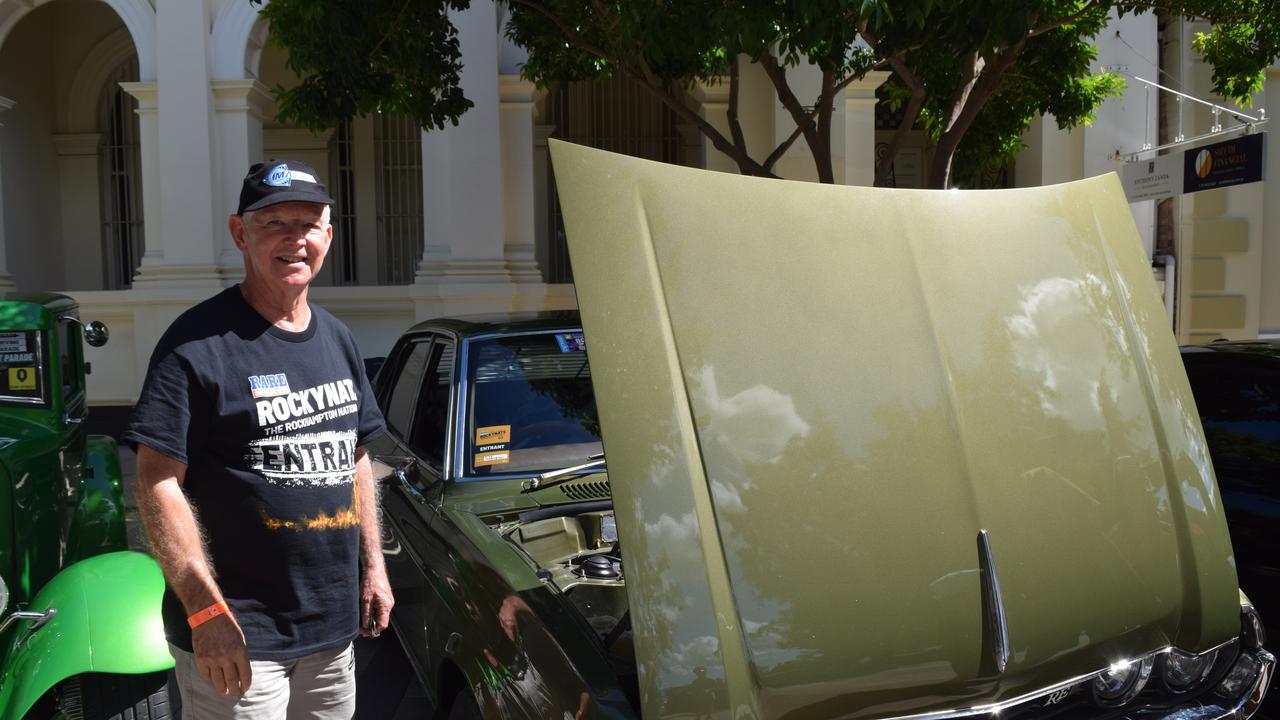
[493,435]
[492,458]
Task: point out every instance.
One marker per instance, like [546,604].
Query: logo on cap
[279,176]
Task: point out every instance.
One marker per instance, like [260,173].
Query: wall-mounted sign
[1230,162]
[1154,179]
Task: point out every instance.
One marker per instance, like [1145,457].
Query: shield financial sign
[1230,162]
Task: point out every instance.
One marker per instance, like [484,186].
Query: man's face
[283,244]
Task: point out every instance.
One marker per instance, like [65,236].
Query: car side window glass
[67,346]
[431,423]
[1229,394]
[405,390]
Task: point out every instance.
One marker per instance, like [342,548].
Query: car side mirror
[96,333]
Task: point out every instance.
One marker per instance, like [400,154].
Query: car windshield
[529,404]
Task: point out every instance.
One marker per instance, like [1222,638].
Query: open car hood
[878,453]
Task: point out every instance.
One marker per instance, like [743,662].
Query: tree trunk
[971,102]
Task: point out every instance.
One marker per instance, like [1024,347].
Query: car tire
[464,707]
[100,696]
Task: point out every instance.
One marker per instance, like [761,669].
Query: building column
[541,192]
[240,107]
[516,116]
[149,159]
[81,215]
[462,185]
[6,280]
[860,129]
[185,252]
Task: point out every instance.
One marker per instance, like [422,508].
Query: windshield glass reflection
[529,404]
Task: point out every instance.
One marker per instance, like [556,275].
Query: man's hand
[221,655]
[375,601]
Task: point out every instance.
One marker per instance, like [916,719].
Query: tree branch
[944,152]
[973,66]
[900,133]
[781,150]
[802,118]
[735,125]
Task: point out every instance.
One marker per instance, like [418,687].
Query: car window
[1240,394]
[68,359]
[404,391]
[431,421]
[21,361]
[530,406]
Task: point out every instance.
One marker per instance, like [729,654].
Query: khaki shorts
[320,686]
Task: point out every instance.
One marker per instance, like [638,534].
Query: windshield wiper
[552,478]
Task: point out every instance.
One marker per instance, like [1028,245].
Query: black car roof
[501,323]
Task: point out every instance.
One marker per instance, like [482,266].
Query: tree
[972,73]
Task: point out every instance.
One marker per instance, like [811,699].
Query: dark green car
[500,538]
[80,632]
[878,455]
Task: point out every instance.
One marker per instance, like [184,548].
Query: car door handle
[399,475]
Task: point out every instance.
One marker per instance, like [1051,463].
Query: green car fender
[98,526]
[107,620]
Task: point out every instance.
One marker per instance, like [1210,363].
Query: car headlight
[1121,682]
[1183,671]
[4,595]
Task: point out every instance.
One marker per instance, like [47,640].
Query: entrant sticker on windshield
[492,458]
[571,342]
[493,434]
[13,342]
[493,445]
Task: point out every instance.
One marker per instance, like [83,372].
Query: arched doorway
[51,144]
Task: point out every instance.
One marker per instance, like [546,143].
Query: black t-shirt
[267,422]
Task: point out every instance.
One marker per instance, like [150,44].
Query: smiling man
[253,483]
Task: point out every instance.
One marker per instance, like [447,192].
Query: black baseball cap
[277,181]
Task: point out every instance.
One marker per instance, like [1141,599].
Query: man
[253,483]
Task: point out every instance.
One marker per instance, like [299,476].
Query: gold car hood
[814,400]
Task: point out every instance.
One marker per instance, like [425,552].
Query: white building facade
[126,126]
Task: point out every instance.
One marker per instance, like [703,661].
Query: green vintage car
[80,632]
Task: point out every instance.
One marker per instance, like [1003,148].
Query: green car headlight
[1122,682]
[1183,671]
[4,595]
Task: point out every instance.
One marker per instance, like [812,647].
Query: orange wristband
[207,614]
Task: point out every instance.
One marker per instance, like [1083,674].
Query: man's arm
[375,591]
[176,544]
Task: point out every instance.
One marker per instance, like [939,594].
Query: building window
[121,167]
[612,113]
[343,215]
[397,143]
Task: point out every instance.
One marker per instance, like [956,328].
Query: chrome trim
[38,619]
[996,708]
[993,602]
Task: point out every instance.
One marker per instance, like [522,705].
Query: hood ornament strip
[993,603]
